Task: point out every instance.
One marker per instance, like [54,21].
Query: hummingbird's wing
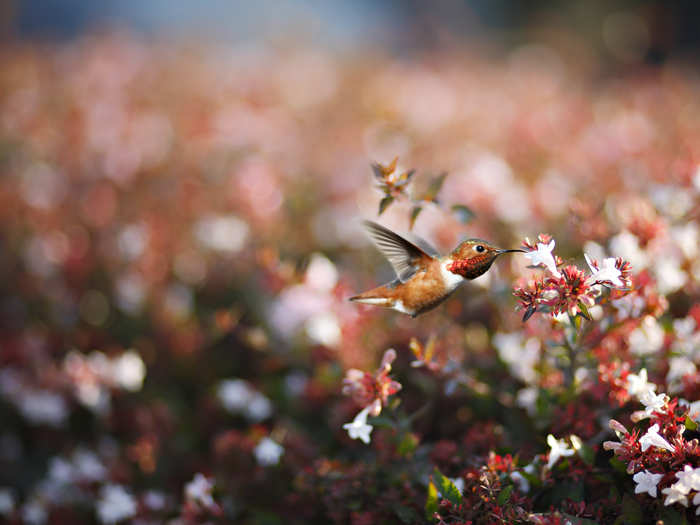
[403,255]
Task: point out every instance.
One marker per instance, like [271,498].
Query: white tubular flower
[607,273]
[689,477]
[646,482]
[638,384]
[559,449]
[543,255]
[653,439]
[675,494]
[358,428]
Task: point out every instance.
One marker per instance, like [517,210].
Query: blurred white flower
[324,329]
[558,449]
[238,397]
[648,338]
[543,255]
[675,494]
[358,428]
[155,500]
[115,504]
[527,399]
[321,274]
[687,238]
[7,501]
[128,370]
[694,411]
[521,481]
[268,452]
[222,233]
[132,241]
[199,490]
[87,466]
[669,276]
[43,407]
[34,513]
[637,384]
[259,407]
[130,293]
[520,356]
[646,482]
[653,439]
[679,367]
[689,478]
[234,394]
[627,246]
[606,273]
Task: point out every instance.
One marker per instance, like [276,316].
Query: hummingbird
[424,279]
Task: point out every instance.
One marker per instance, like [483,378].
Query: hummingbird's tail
[376,301]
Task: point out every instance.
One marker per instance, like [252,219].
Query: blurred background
[182,189]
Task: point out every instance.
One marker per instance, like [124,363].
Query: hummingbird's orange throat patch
[471,268]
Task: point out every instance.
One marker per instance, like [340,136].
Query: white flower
[237,396]
[637,384]
[268,452]
[543,255]
[199,490]
[608,272]
[689,478]
[652,402]
[459,483]
[674,494]
[34,513]
[7,501]
[669,276]
[626,244]
[648,338]
[115,504]
[646,482]
[559,449]
[358,427]
[43,407]
[521,481]
[694,411]
[653,439]
[128,371]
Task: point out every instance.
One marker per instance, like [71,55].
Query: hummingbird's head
[474,257]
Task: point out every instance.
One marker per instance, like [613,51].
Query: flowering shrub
[180,233]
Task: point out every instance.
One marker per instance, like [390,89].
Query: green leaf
[690,424]
[414,215]
[584,311]
[431,504]
[448,489]
[406,514]
[618,465]
[586,454]
[463,214]
[574,520]
[434,187]
[631,510]
[671,516]
[504,495]
[408,444]
[384,203]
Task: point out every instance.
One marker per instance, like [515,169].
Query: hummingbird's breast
[428,287]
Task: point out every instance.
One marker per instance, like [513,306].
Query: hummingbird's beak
[499,252]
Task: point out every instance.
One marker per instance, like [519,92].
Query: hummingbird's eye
[479,248]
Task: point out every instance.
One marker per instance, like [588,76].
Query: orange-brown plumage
[425,279]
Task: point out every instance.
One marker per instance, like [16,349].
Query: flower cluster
[569,290]
[370,391]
